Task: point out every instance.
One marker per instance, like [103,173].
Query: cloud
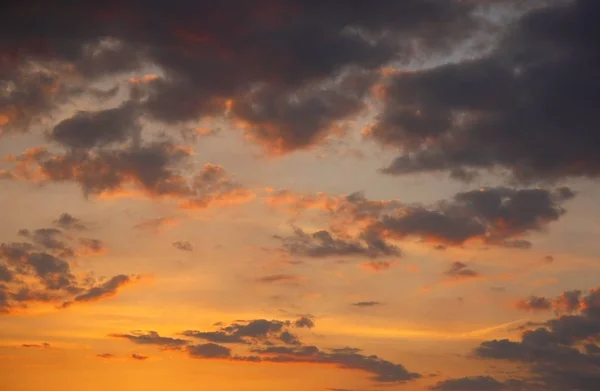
[493,215]
[288,84]
[88,129]
[527,107]
[183,246]
[106,356]
[498,216]
[561,353]
[152,338]
[366,304]
[478,383]
[209,350]
[304,321]
[69,223]
[534,303]
[460,271]
[278,278]
[44,345]
[322,244]
[381,370]
[108,288]
[90,246]
[273,341]
[138,357]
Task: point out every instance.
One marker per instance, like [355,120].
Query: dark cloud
[323,244]
[48,238]
[215,336]
[381,370]
[304,322]
[152,338]
[366,304]
[106,356]
[209,350]
[528,107]
[158,169]
[290,69]
[553,351]
[460,271]
[69,222]
[534,303]
[278,278]
[5,274]
[88,129]
[478,383]
[494,215]
[44,345]
[106,289]
[183,246]
[272,341]
[38,272]
[138,357]
[91,246]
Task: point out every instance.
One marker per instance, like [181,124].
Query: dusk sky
[303,195]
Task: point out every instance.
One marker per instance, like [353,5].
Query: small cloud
[366,304]
[460,271]
[138,357]
[534,303]
[278,278]
[44,345]
[106,356]
[68,222]
[183,246]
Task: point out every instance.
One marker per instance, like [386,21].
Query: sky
[300,195]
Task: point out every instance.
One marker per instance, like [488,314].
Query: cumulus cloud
[562,353]
[498,216]
[527,107]
[40,272]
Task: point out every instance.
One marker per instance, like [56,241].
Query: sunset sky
[300,195]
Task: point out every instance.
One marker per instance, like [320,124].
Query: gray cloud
[528,107]
[209,350]
[278,278]
[478,383]
[88,129]
[138,357]
[69,222]
[493,215]
[553,351]
[460,271]
[534,303]
[107,289]
[366,304]
[323,244]
[183,246]
[152,338]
